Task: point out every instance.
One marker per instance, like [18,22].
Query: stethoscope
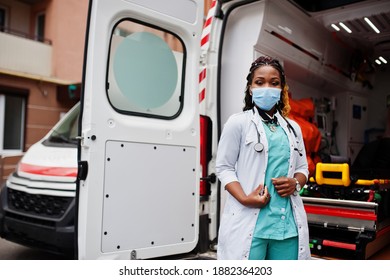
[259,147]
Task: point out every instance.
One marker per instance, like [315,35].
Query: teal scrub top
[276,220]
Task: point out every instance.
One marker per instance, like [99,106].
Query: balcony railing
[24,35]
[24,53]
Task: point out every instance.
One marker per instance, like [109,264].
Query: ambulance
[38,199]
[159,83]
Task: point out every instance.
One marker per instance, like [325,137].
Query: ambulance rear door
[138,177]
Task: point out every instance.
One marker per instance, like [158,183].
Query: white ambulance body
[141,160]
[158,87]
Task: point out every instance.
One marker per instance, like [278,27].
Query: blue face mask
[265,97]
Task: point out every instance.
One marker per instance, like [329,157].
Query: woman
[261,162]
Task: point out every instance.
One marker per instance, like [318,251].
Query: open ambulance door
[138,180]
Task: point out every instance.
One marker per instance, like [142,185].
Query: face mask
[266,98]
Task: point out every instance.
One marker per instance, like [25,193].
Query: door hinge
[133,255]
[82,170]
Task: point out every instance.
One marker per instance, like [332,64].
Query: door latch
[212,178]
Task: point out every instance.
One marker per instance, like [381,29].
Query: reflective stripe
[48,170]
[204,43]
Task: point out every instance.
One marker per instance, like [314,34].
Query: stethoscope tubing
[259,147]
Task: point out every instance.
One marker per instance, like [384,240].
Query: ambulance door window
[145,71]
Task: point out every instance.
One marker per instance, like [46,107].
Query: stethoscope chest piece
[259,147]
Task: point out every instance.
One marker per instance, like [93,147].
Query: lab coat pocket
[229,221]
[251,140]
[299,208]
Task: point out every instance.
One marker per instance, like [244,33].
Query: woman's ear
[248,89]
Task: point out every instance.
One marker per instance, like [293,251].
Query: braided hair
[283,106]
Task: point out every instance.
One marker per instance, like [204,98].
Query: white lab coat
[238,161]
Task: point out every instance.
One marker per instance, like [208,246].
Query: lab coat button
[283,217]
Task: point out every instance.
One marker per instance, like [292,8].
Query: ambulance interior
[340,97]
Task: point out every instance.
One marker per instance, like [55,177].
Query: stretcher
[349,217]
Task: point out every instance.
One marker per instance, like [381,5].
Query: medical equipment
[259,147]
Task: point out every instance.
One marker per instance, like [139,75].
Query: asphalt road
[13,251]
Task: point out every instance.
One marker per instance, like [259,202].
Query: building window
[3,19]
[12,123]
[40,28]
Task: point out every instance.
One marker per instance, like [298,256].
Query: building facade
[41,58]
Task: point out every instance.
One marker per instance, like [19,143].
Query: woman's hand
[258,198]
[284,186]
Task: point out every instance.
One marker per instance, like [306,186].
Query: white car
[38,199]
